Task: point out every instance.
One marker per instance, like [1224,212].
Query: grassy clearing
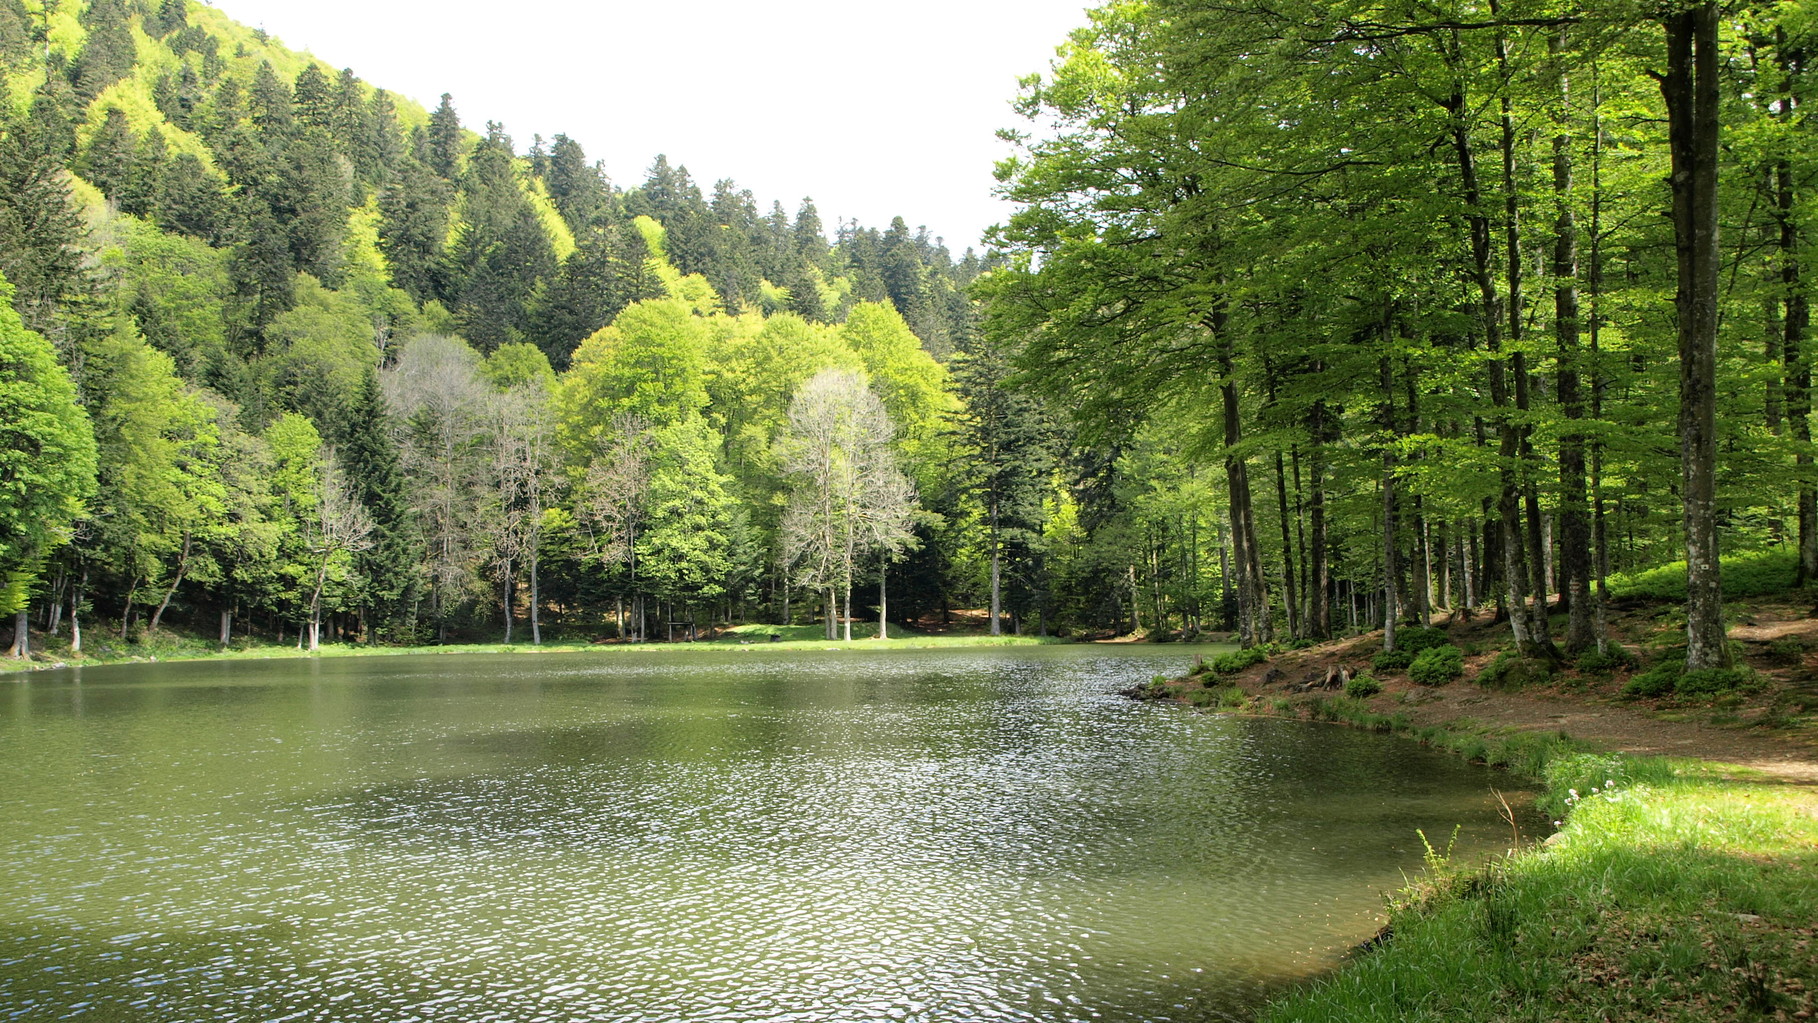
[174,646]
[1680,892]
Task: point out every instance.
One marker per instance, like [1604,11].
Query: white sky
[874,108]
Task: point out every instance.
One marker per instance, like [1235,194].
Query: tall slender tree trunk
[1319,583]
[1530,637]
[536,627]
[75,612]
[1796,321]
[883,605]
[22,634]
[1391,571]
[1690,89]
[1252,587]
[1574,513]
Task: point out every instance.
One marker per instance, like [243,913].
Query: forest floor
[1773,728]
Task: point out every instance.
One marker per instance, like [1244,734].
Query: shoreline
[1676,885]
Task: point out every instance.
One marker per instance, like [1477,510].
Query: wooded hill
[316,332]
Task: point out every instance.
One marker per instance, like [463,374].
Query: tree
[848,500]
[438,404]
[1007,444]
[47,461]
[446,142]
[1691,91]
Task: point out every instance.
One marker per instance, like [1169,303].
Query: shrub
[1415,638]
[1512,671]
[1660,679]
[1706,683]
[1238,660]
[1438,665]
[1390,661]
[1362,686]
[1605,663]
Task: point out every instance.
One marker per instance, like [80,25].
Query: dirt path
[1583,708]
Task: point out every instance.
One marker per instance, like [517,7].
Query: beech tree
[848,501]
[47,461]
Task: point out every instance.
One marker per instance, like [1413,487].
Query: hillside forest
[1302,320]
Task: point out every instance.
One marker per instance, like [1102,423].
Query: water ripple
[937,837]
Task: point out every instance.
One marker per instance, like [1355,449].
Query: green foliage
[1660,679]
[1390,661]
[1614,657]
[1435,666]
[1752,574]
[1362,686]
[1418,638]
[1512,671]
[1238,660]
[47,454]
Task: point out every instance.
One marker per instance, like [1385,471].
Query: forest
[1301,321]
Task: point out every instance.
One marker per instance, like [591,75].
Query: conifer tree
[108,53]
[445,144]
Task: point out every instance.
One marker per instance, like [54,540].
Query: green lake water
[969,835]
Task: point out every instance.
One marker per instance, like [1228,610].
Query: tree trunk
[1574,513]
[22,634]
[1529,640]
[227,627]
[536,625]
[1319,584]
[1690,90]
[1797,389]
[1390,570]
[883,576]
[75,613]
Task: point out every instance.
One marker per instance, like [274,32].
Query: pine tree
[271,104]
[314,102]
[41,235]
[107,162]
[388,567]
[445,144]
[108,54]
[15,31]
[413,225]
[577,187]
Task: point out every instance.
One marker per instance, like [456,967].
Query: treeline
[321,359]
[1469,304]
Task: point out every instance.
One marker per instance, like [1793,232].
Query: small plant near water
[1238,660]
[1436,666]
[1362,686]
[1410,642]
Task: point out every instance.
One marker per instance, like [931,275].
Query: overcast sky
[874,108]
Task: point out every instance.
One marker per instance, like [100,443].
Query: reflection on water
[950,836]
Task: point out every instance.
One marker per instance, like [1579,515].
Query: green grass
[102,647]
[1755,574]
[1679,893]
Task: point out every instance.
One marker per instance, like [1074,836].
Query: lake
[749,835]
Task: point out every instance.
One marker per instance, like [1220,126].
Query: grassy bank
[106,648]
[1673,890]
[1679,892]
